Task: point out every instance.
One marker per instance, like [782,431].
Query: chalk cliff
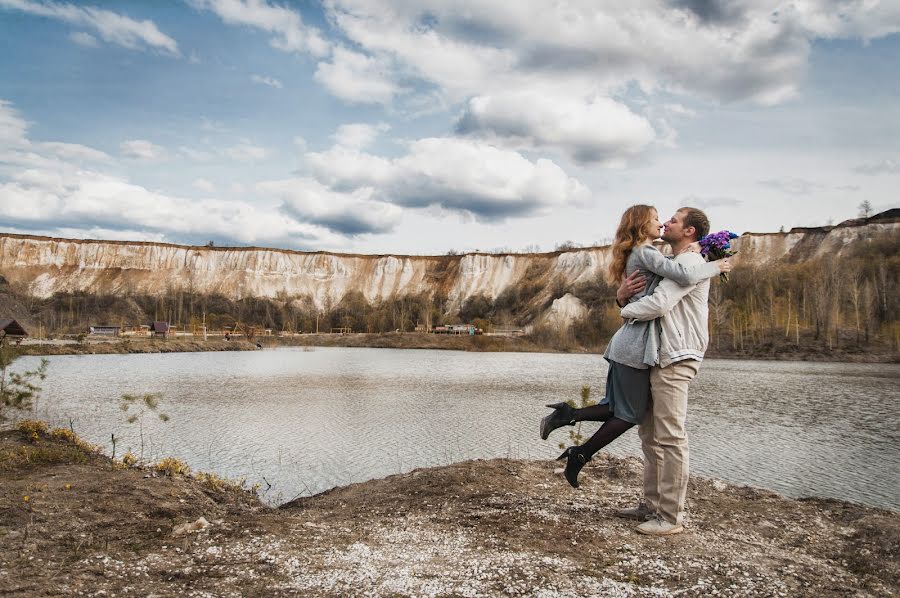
[42,266]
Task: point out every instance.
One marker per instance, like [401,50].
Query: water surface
[304,421]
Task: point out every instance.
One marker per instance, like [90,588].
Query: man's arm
[630,286]
[666,296]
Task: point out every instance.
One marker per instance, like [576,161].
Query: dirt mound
[72,521]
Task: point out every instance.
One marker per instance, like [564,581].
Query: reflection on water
[307,421]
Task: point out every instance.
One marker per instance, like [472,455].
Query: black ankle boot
[575,461]
[563,415]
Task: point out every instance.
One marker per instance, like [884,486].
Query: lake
[300,421]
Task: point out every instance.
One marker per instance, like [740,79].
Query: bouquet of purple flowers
[716,246]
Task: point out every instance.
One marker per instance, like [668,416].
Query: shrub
[170,466]
[34,429]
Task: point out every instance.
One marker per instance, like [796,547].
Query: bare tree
[865,209]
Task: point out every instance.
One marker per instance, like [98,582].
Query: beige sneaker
[641,512]
[658,527]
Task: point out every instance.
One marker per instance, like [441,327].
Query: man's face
[675,231]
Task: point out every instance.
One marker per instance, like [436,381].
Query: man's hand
[632,285]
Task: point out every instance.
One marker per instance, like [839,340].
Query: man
[683,314]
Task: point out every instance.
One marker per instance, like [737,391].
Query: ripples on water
[310,420]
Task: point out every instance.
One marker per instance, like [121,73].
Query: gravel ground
[73,523]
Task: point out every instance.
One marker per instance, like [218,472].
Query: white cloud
[202,184]
[44,187]
[356,77]
[110,26]
[264,80]
[246,152]
[593,130]
[93,200]
[489,182]
[725,51]
[141,149]
[13,127]
[84,39]
[457,175]
[286,26]
[76,151]
[359,135]
[350,213]
[346,168]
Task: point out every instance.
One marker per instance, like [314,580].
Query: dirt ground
[74,523]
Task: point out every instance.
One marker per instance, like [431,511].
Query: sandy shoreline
[407,341]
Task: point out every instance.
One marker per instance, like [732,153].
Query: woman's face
[654,226]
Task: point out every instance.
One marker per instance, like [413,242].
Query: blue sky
[378,126]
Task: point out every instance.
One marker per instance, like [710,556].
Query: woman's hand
[694,247]
[724,265]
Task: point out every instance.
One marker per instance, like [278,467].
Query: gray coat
[636,343]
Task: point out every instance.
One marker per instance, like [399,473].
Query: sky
[433,126]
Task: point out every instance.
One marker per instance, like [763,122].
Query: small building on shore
[105,330]
[10,328]
[160,329]
[458,329]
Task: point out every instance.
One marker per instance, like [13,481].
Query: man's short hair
[697,219]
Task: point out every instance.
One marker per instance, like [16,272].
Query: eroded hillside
[43,266]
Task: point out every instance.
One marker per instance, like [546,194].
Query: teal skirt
[627,392]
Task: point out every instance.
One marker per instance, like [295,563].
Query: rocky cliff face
[42,266]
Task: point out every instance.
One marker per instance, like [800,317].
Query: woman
[634,347]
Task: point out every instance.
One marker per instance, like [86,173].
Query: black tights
[612,427]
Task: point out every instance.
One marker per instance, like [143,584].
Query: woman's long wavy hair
[634,229]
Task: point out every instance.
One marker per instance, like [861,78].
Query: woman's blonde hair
[633,230]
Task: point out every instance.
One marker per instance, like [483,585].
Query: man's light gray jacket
[684,312]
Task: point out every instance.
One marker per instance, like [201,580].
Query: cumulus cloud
[346,169]
[46,187]
[458,175]
[350,213]
[94,200]
[886,166]
[112,27]
[596,130]
[741,50]
[289,32]
[356,77]
[359,135]
[141,149]
[270,81]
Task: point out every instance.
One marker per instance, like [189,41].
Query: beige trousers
[664,440]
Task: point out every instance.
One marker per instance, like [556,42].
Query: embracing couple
[652,358]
